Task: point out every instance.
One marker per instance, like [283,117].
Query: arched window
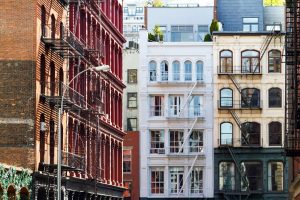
[52,141]
[226,61]
[275,98]
[61,30]
[52,78]
[11,193]
[164,70]
[43,20]
[176,71]
[152,70]
[275,134]
[1,192]
[188,70]
[24,194]
[42,137]
[250,62]
[199,70]
[274,61]
[250,134]
[61,81]
[226,176]
[226,97]
[250,98]
[52,26]
[226,133]
[42,73]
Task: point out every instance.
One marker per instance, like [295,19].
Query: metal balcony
[241,142]
[239,105]
[72,162]
[239,70]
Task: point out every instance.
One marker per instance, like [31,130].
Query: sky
[201,2]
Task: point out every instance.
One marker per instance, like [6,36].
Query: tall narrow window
[152,71]
[274,61]
[174,105]
[226,176]
[61,30]
[61,81]
[226,63]
[196,141]
[131,124]
[127,156]
[176,71]
[157,180]
[199,70]
[254,173]
[132,100]
[226,133]
[202,31]
[157,142]
[275,98]
[275,176]
[176,141]
[195,109]
[226,97]
[42,138]
[53,26]
[176,180]
[250,134]
[42,74]
[43,21]
[275,134]
[132,76]
[164,70]
[250,98]
[196,178]
[187,70]
[156,105]
[250,62]
[52,141]
[52,78]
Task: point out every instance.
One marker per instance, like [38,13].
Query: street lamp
[104,68]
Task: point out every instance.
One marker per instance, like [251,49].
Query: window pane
[132,100]
[226,134]
[156,105]
[127,155]
[226,99]
[176,71]
[275,176]
[157,143]
[188,70]
[196,141]
[250,134]
[275,98]
[250,20]
[226,176]
[195,107]
[199,66]
[131,124]
[253,176]
[176,141]
[196,180]
[176,179]
[275,134]
[157,181]
[164,68]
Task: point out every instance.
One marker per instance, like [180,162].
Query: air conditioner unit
[43,126]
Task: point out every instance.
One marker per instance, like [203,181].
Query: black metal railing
[226,104]
[73,161]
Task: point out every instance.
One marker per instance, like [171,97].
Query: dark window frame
[254,137]
[227,99]
[226,70]
[129,95]
[131,128]
[275,176]
[252,59]
[131,77]
[253,175]
[222,133]
[275,101]
[231,176]
[274,135]
[251,101]
[274,63]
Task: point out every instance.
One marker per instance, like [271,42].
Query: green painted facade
[19,180]
[262,155]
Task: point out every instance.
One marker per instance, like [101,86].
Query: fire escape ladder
[244,99]
[245,135]
[187,99]
[188,135]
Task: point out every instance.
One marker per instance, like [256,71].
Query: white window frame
[157,146]
[156,110]
[196,180]
[176,179]
[188,70]
[177,142]
[160,181]
[175,104]
[194,109]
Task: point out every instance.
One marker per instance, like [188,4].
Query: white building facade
[176,108]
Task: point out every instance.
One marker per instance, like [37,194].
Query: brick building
[44,45]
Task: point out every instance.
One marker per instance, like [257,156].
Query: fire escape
[247,103]
[292,59]
[72,47]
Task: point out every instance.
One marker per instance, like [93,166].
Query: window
[253,171]
[196,178]
[152,70]
[52,141]
[176,141]
[61,30]
[164,70]
[196,141]
[250,62]
[275,134]
[199,68]
[202,31]
[132,100]
[52,78]
[42,74]
[250,24]
[43,20]
[131,124]
[132,76]
[176,71]
[226,133]
[182,34]
[52,26]
[156,106]
[139,9]
[125,9]
[275,176]
[226,61]
[195,107]
[226,97]
[176,177]
[226,176]
[42,137]
[273,27]
[127,156]
[131,11]
[275,98]
[274,61]
[174,105]
[188,70]
[157,142]
[157,180]
[163,30]
[250,134]
[250,98]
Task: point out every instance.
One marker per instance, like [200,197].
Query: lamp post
[104,68]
